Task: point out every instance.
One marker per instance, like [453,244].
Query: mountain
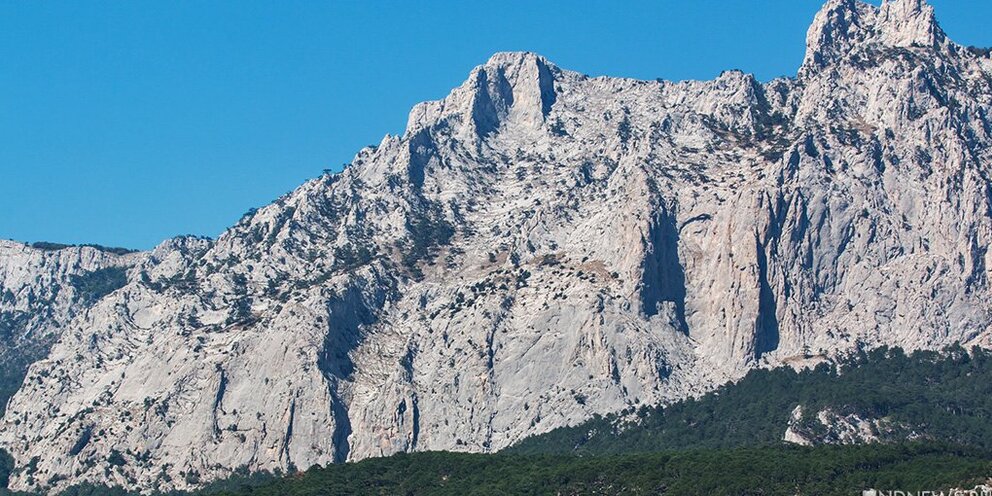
[538,247]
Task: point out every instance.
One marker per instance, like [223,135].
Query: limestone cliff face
[538,247]
[41,291]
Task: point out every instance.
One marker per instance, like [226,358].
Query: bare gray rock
[41,291]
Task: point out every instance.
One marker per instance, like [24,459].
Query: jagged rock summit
[538,247]
[844,26]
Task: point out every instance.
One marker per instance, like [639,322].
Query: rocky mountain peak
[843,26]
[510,86]
[515,60]
[910,23]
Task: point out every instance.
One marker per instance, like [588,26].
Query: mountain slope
[879,396]
[538,247]
[782,471]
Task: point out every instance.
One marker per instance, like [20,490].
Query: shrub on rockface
[6,467]
[93,285]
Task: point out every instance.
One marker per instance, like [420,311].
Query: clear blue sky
[127,122]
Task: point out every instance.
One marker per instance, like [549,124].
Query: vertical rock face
[538,247]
